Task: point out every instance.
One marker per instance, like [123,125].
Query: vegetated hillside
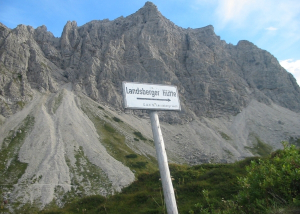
[146,195]
[65,134]
[254,185]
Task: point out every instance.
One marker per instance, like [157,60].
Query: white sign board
[150,96]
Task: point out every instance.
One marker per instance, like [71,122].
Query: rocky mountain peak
[245,43]
[69,38]
[214,78]
[70,25]
[149,6]
[4,31]
[149,12]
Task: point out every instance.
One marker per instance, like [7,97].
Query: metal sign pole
[163,164]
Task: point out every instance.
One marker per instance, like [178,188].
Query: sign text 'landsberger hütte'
[150,96]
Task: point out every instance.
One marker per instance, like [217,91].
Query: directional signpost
[156,97]
[149,96]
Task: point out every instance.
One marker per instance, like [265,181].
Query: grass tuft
[139,135]
[117,120]
[57,101]
[21,104]
[131,156]
[225,136]
[260,148]
[109,128]
[139,165]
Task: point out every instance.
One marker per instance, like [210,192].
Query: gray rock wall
[214,78]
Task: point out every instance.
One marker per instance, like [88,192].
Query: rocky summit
[64,132]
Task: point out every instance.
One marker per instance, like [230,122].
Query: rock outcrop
[214,78]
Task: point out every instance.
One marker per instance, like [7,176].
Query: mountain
[64,132]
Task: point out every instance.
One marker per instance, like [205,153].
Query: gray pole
[163,164]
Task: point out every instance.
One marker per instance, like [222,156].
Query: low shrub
[139,135]
[274,180]
[131,156]
[117,120]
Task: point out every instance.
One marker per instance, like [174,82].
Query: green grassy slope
[145,195]
[255,185]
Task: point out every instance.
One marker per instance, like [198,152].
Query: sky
[272,25]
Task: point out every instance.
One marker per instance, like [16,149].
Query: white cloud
[292,66]
[233,11]
[257,13]
[271,28]
[272,25]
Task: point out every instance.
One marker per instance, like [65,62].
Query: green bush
[131,156]
[117,120]
[139,164]
[139,135]
[271,181]
[93,200]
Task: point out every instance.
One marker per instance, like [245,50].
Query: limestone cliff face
[23,67]
[214,78]
[263,73]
